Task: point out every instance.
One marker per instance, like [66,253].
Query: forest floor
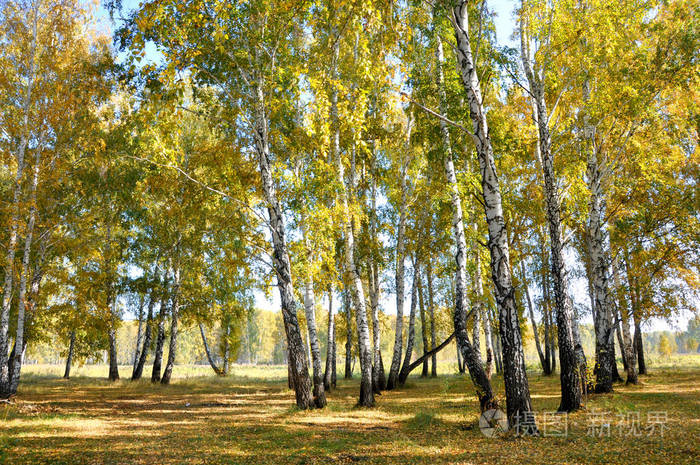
[249,418]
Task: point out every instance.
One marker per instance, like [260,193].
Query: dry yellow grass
[250,418]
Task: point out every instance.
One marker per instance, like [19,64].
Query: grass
[249,418]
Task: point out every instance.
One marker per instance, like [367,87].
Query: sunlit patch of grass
[422,421]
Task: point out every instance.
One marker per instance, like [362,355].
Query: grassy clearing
[249,418]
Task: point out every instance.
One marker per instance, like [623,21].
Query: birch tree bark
[69,358]
[24,274]
[544,363]
[431,311]
[297,357]
[378,377]
[207,351]
[319,395]
[410,338]
[160,338]
[423,327]
[328,379]
[481,381]
[638,343]
[138,368]
[358,297]
[348,334]
[596,238]
[392,380]
[353,274]
[139,333]
[480,309]
[627,344]
[5,388]
[174,319]
[570,382]
[356,287]
[113,362]
[514,375]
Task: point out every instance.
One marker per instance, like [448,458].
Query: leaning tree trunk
[366,392]
[207,351]
[37,275]
[281,263]
[410,339]
[69,359]
[138,368]
[310,312]
[481,381]
[328,381]
[160,338]
[431,311]
[348,334]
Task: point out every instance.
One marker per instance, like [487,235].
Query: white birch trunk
[24,275]
[297,357]
[310,312]
[356,287]
[5,388]
[328,380]
[480,307]
[596,239]
[431,312]
[410,338]
[627,345]
[570,381]
[515,377]
[473,362]
[392,381]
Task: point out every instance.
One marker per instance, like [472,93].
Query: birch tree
[515,378]
[535,72]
